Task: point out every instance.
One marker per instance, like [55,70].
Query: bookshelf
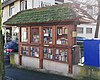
[47,35]
[34,51]
[48,54]
[24,50]
[61,55]
[62,34]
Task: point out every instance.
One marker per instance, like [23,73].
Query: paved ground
[21,74]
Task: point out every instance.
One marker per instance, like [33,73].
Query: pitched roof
[54,13]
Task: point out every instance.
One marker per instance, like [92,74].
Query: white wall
[56,66]
[6,11]
[29,4]
[17,6]
[30,62]
[84,34]
[53,67]
[16,59]
[37,2]
[5,14]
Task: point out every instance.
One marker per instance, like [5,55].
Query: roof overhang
[7,2]
[52,15]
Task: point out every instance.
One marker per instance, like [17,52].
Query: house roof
[48,14]
[54,13]
[7,2]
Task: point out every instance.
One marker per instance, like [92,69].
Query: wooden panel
[29,40]
[41,35]
[41,58]
[19,47]
[70,44]
[54,35]
[29,35]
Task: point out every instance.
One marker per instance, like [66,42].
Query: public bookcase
[47,34]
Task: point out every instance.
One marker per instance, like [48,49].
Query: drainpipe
[5,36]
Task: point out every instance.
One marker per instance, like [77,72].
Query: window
[23,5]
[35,35]
[48,54]
[61,55]
[34,51]
[24,34]
[33,3]
[24,50]
[89,30]
[62,35]
[11,9]
[44,4]
[47,35]
[79,30]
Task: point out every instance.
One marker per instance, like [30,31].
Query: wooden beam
[29,39]
[41,48]
[19,50]
[70,44]
[53,35]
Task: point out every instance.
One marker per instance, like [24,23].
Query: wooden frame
[54,46]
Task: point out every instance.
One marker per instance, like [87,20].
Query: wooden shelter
[47,34]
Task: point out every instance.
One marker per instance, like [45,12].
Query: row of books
[62,30]
[61,41]
[61,55]
[25,50]
[34,51]
[48,53]
[47,35]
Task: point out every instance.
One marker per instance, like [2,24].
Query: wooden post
[29,39]
[70,61]
[19,45]
[41,47]
[41,58]
[53,35]
[70,44]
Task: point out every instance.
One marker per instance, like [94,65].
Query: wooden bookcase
[47,42]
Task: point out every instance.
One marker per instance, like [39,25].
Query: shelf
[61,55]
[24,50]
[47,33]
[48,53]
[34,51]
[62,36]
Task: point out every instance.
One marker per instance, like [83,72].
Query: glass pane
[79,30]
[35,35]
[47,35]
[48,53]
[24,50]
[62,35]
[89,30]
[24,34]
[61,55]
[34,51]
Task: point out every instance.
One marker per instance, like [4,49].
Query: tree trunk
[98,21]
[1,50]
[97,26]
